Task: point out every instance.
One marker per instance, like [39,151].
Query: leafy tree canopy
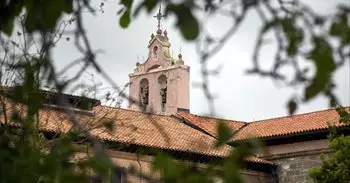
[336,167]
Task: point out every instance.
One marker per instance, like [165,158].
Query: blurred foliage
[336,166]
[41,15]
[26,156]
[23,160]
[30,155]
[227,169]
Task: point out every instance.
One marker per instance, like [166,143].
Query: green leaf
[344,115]
[124,20]
[337,28]
[51,12]
[224,134]
[7,21]
[45,14]
[127,3]
[294,42]
[68,6]
[293,34]
[333,101]
[186,21]
[150,4]
[341,29]
[292,106]
[322,56]
[268,25]
[7,27]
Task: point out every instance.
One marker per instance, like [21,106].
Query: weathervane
[159,15]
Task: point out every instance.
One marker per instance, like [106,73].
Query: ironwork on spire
[159,16]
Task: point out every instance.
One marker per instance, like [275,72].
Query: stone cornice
[160,70]
[297,154]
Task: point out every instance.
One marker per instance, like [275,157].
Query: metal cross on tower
[159,15]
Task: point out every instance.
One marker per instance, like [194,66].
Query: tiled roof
[290,125]
[209,124]
[157,131]
[160,131]
[287,125]
[134,128]
[131,127]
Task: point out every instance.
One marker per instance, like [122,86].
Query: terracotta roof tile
[288,125]
[131,127]
[158,131]
[209,124]
[163,132]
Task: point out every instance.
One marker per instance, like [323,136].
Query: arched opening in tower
[162,82]
[144,93]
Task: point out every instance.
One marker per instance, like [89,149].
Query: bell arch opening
[163,87]
[155,52]
[144,94]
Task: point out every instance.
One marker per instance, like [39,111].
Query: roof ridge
[134,111]
[302,114]
[230,120]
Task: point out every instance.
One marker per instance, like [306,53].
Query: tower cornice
[185,67]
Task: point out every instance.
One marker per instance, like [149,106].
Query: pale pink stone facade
[158,63]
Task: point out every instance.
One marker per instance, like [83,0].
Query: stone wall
[295,159]
[295,169]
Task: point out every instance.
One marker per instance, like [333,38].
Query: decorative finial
[165,33]
[159,16]
[152,36]
[180,55]
[180,61]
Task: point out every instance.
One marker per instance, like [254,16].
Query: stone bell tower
[160,85]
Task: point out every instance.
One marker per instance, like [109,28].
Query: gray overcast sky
[240,96]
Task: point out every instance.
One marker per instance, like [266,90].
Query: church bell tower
[160,85]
